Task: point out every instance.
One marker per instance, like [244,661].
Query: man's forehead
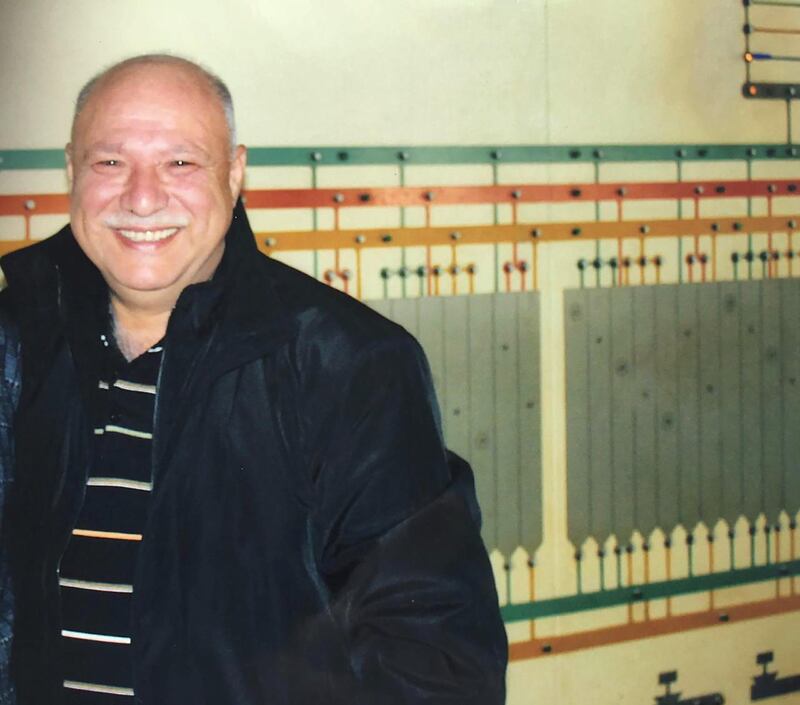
[155,100]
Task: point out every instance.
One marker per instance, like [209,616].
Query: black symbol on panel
[669,698]
[768,685]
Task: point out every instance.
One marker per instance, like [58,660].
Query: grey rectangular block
[689,419]
[528,324]
[483,430]
[506,374]
[730,391]
[645,419]
[622,409]
[576,339]
[456,370]
[750,376]
[771,400]
[600,414]
[667,407]
[790,382]
[710,465]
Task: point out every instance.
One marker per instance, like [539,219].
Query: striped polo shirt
[96,570]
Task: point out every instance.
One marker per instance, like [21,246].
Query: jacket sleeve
[397,530]
[9,393]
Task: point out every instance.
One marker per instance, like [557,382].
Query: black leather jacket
[308,541]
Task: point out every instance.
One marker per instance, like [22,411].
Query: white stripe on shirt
[119,482]
[97,688]
[135,386]
[112,428]
[95,586]
[88,636]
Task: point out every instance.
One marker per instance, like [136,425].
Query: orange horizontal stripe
[106,535]
[269,242]
[52,203]
[650,628]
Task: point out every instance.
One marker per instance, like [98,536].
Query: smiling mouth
[147,235]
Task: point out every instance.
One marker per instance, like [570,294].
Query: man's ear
[68,161]
[236,173]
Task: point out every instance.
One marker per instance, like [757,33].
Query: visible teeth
[147,235]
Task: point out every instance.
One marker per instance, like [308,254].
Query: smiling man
[230,481]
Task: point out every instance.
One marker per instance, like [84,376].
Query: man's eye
[109,162]
[182,162]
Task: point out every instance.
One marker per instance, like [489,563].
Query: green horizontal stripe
[785,3]
[508,154]
[32,159]
[652,591]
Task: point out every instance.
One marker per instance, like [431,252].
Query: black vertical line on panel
[698,393]
[467,329]
[656,417]
[613,446]
[679,416]
[447,375]
[589,468]
[520,469]
[782,387]
[721,435]
[761,419]
[741,408]
[496,483]
[634,452]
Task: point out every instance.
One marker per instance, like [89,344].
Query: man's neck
[136,330]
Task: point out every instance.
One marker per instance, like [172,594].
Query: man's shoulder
[325,313]
[33,261]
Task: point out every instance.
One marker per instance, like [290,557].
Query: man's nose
[144,193]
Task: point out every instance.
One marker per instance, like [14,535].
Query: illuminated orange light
[752,90]
[748,57]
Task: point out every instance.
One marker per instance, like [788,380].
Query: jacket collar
[216,325]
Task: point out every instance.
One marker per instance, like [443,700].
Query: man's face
[153,183]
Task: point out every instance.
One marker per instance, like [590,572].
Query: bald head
[213,83]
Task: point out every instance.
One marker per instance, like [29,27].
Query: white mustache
[162,221]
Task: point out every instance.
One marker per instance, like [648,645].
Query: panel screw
[270,242]
[339,198]
[361,239]
[316,156]
[30,204]
[455,235]
[403,156]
